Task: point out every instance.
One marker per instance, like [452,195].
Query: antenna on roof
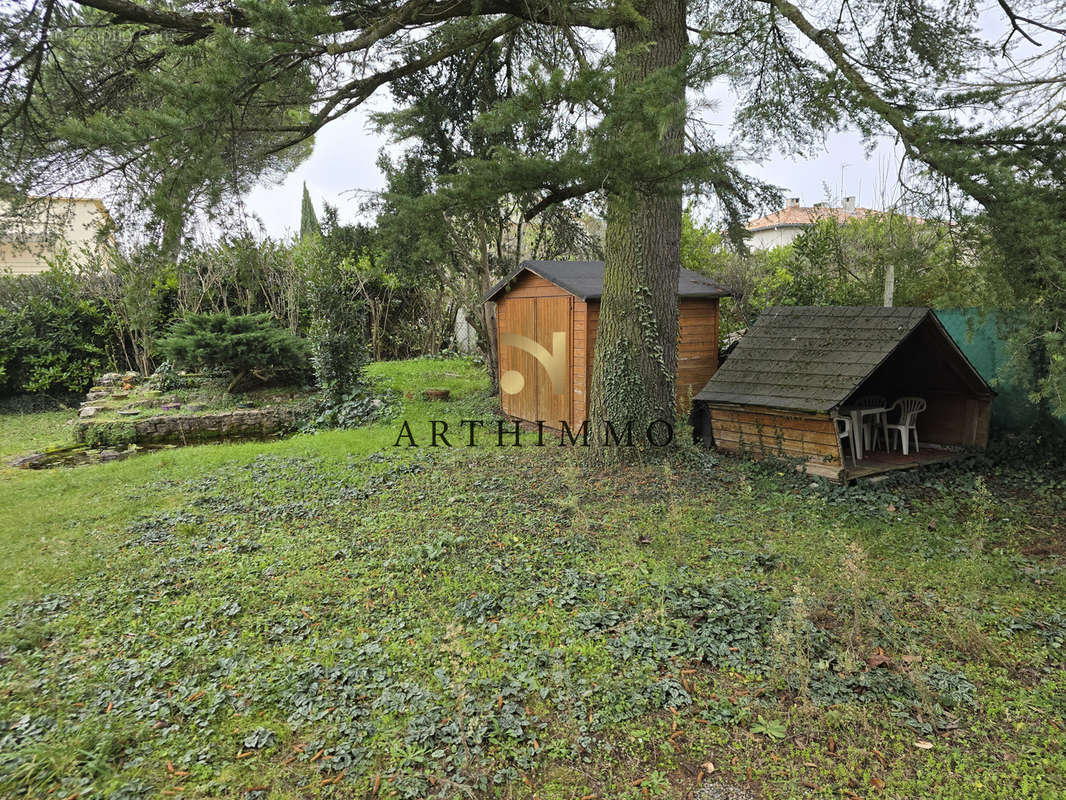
[843,165]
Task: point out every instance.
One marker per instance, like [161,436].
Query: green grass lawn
[331,616]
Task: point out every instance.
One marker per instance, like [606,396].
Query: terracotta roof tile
[805,215]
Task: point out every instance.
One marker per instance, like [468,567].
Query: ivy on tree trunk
[634,366]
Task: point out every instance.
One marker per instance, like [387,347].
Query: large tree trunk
[488,312]
[635,362]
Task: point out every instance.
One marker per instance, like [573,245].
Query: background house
[782,227]
[29,241]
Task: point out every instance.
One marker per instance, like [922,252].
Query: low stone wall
[178,429]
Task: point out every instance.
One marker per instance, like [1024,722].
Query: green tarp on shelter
[976,335]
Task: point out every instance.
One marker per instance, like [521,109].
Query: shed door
[516,315]
[553,315]
[536,319]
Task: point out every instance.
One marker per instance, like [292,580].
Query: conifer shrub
[247,344]
[338,332]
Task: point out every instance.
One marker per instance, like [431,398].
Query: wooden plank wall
[515,315]
[772,432]
[553,314]
[697,347]
[530,285]
[952,418]
[980,411]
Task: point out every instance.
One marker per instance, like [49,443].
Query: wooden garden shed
[799,367]
[546,318]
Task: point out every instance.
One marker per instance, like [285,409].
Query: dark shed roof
[584,279]
[811,358]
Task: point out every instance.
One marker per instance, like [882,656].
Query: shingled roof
[811,358]
[584,279]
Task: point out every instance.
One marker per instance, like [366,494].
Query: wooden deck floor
[878,461]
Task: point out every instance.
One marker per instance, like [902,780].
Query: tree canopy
[212,95]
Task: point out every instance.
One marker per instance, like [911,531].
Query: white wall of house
[73,224]
[774,237]
[783,227]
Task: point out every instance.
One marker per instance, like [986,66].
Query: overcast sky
[343,167]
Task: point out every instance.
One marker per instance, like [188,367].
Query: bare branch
[1015,27]
[1015,20]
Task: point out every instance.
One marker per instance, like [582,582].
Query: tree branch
[38,55]
[557,195]
[1015,20]
[128,11]
[912,138]
[359,90]
[412,13]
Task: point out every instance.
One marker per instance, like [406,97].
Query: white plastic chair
[847,432]
[909,409]
[871,428]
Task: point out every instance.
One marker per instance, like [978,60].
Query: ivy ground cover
[330,616]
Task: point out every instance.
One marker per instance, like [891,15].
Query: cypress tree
[308,220]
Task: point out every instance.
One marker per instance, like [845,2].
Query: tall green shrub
[338,332]
[55,334]
[249,343]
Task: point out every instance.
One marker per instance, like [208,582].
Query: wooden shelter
[546,318]
[797,367]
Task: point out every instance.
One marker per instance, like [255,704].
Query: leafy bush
[338,320]
[842,263]
[55,336]
[250,343]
